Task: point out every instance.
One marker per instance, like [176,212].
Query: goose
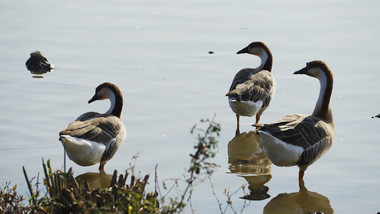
[95,137]
[252,88]
[378,116]
[298,139]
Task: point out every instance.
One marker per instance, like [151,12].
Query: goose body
[298,139]
[95,137]
[253,88]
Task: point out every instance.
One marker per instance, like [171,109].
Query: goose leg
[101,168]
[257,120]
[300,174]
[301,183]
[237,125]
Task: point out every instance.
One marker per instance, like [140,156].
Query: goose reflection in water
[303,201]
[95,180]
[247,159]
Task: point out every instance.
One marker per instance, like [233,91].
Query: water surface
[157,53]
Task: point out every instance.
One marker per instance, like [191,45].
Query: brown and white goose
[94,137]
[301,139]
[253,88]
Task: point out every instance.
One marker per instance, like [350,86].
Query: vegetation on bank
[63,193]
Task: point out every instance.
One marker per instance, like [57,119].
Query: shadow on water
[37,76]
[96,180]
[303,201]
[247,160]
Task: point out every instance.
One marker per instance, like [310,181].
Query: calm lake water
[157,53]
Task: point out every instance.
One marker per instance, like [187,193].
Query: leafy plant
[10,201]
[66,194]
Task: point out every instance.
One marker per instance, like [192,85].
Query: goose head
[317,69]
[112,92]
[104,91]
[261,50]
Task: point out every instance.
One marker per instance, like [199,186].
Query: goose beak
[244,50]
[302,71]
[93,99]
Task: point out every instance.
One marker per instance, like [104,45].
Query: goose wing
[308,132]
[298,130]
[87,116]
[102,129]
[252,85]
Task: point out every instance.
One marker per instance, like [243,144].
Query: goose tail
[234,95]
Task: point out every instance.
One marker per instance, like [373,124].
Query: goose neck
[266,60]
[322,108]
[116,104]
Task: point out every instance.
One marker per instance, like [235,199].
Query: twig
[213,192]
[244,206]
[157,189]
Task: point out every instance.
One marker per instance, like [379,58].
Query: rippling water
[157,53]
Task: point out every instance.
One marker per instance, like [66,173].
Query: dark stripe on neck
[268,64]
[323,112]
[118,107]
